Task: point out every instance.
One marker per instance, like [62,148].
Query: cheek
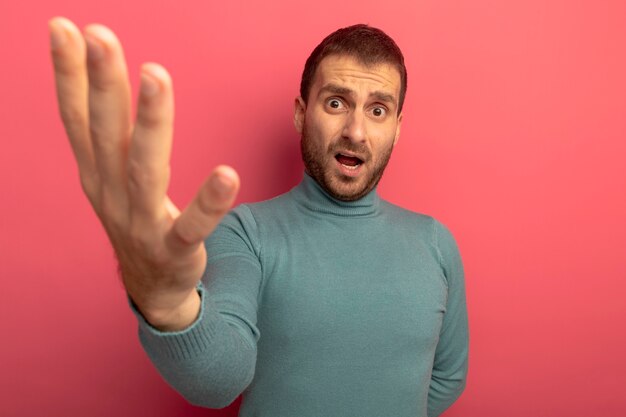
[325,127]
[321,132]
[384,144]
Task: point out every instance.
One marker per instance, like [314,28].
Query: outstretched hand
[124,171]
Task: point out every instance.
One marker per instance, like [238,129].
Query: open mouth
[350,162]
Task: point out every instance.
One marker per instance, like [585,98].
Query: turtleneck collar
[313,197]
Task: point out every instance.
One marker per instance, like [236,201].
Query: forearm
[445,390]
[210,362]
[161,316]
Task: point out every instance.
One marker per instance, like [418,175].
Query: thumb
[203,214]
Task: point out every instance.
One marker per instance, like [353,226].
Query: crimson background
[513,136]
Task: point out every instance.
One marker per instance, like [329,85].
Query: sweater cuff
[180,344]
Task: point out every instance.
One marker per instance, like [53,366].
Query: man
[323,301]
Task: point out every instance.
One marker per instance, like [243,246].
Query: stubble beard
[314,158]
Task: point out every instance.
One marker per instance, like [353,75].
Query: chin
[347,189]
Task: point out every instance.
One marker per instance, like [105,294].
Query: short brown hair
[368,45]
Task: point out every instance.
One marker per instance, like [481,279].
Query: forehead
[347,71]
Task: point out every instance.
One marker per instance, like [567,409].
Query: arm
[213,361]
[124,171]
[451,356]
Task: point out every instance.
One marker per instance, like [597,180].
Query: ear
[395,140]
[298,114]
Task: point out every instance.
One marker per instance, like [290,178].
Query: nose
[354,128]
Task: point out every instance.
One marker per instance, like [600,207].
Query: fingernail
[95,50]
[222,184]
[149,86]
[57,37]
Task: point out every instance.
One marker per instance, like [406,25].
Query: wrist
[167,317]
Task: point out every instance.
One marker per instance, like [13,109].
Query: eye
[334,103]
[379,111]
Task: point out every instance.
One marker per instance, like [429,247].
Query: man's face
[349,125]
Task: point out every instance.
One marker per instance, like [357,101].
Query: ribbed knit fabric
[317,307]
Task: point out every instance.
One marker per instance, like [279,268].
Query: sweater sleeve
[213,360]
[451,356]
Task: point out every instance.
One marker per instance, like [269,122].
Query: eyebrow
[378,95]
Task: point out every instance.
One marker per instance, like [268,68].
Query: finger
[68,56]
[109,109]
[150,147]
[212,202]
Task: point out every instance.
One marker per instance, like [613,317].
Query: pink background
[514,136]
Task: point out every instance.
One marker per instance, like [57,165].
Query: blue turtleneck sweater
[314,307]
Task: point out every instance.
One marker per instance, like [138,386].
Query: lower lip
[349,171]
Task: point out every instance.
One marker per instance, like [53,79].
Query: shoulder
[402,214]
[435,233]
[249,215]
[244,222]
[413,222]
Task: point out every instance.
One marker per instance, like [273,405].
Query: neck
[313,197]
